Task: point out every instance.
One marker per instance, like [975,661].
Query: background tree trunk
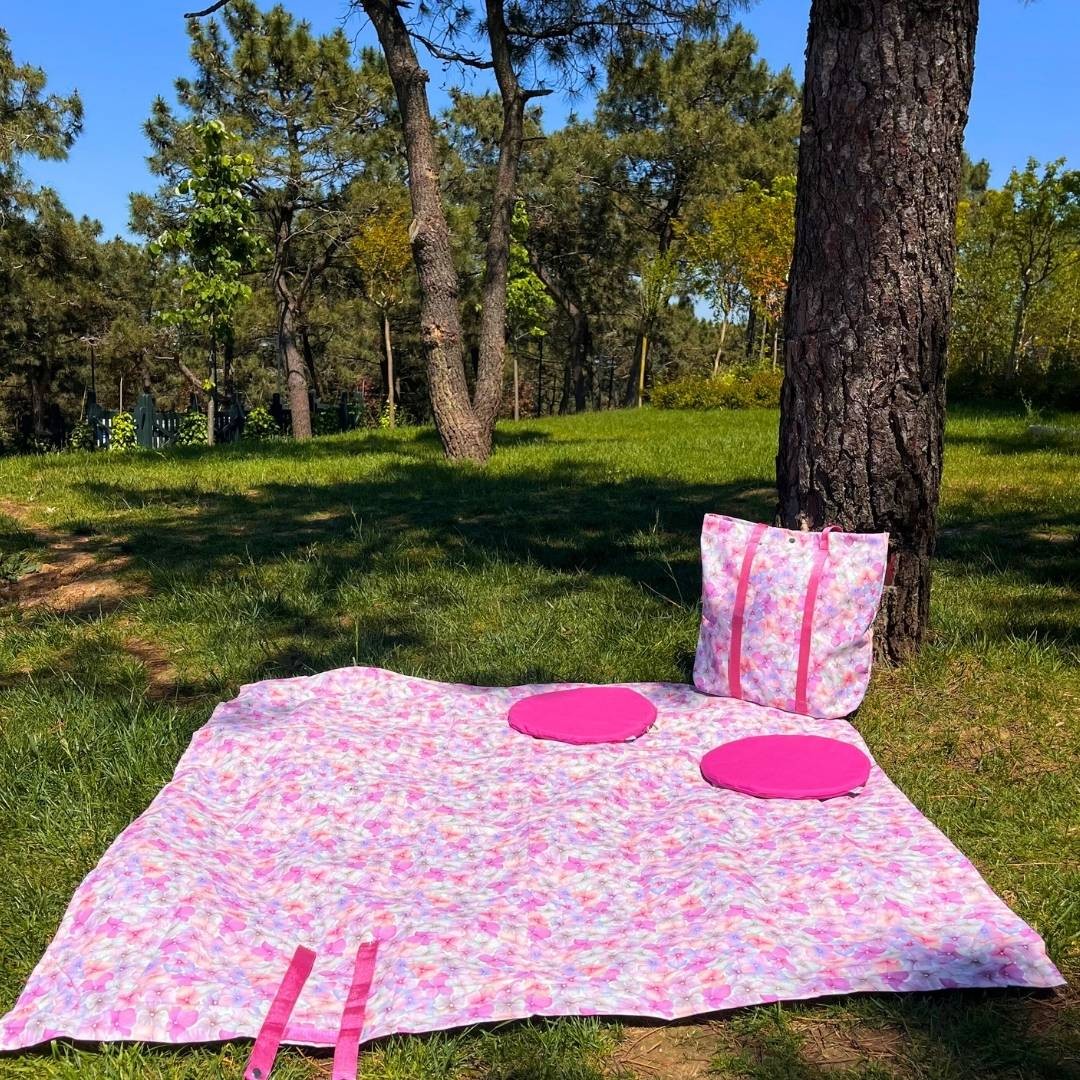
[862,407]
[309,361]
[643,361]
[39,381]
[581,345]
[580,329]
[389,350]
[462,434]
[295,374]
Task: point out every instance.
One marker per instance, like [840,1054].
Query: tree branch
[217,6]
[194,379]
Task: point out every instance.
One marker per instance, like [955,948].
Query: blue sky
[121,54]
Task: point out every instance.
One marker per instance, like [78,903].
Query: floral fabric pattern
[841,649]
[502,876]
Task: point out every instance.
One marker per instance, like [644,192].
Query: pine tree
[313,123]
[867,318]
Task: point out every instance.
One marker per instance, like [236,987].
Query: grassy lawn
[574,555]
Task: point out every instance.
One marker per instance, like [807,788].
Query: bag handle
[735,648]
[806,629]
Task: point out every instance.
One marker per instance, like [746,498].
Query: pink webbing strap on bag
[347,1051]
[268,1042]
[735,652]
[806,630]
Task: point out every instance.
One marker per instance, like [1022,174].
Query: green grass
[573,555]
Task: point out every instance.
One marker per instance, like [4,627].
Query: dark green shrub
[81,437]
[325,422]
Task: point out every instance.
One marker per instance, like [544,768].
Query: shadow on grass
[564,518]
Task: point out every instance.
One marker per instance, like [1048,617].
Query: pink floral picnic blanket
[500,876]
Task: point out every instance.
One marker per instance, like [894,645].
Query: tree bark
[39,381]
[489,375]
[289,326]
[642,364]
[718,358]
[309,361]
[868,307]
[634,376]
[295,376]
[517,386]
[463,435]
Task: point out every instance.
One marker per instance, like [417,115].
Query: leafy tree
[1041,232]
[528,304]
[742,248]
[383,256]
[688,126]
[42,247]
[216,244]
[583,250]
[713,255]
[563,38]
[1019,248]
[974,178]
[867,324]
[313,123]
[697,121]
[658,277]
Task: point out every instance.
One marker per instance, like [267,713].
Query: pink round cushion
[592,714]
[787,767]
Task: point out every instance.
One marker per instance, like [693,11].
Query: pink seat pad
[787,767]
[589,714]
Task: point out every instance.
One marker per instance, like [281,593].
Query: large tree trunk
[463,434]
[867,321]
[490,371]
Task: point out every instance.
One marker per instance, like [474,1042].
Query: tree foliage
[33,123]
[216,241]
[1018,286]
[569,252]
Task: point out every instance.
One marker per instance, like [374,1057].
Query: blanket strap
[806,630]
[347,1050]
[266,1045]
[735,653]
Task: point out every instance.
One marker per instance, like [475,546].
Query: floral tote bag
[787,617]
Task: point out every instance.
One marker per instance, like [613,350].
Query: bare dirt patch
[667,1051]
[835,1044]
[162,678]
[78,575]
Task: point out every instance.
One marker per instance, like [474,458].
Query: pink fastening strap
[735,654]
[347,1050]
[806,630]
[266,1045]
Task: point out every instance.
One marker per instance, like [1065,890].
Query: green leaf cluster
[216,243]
